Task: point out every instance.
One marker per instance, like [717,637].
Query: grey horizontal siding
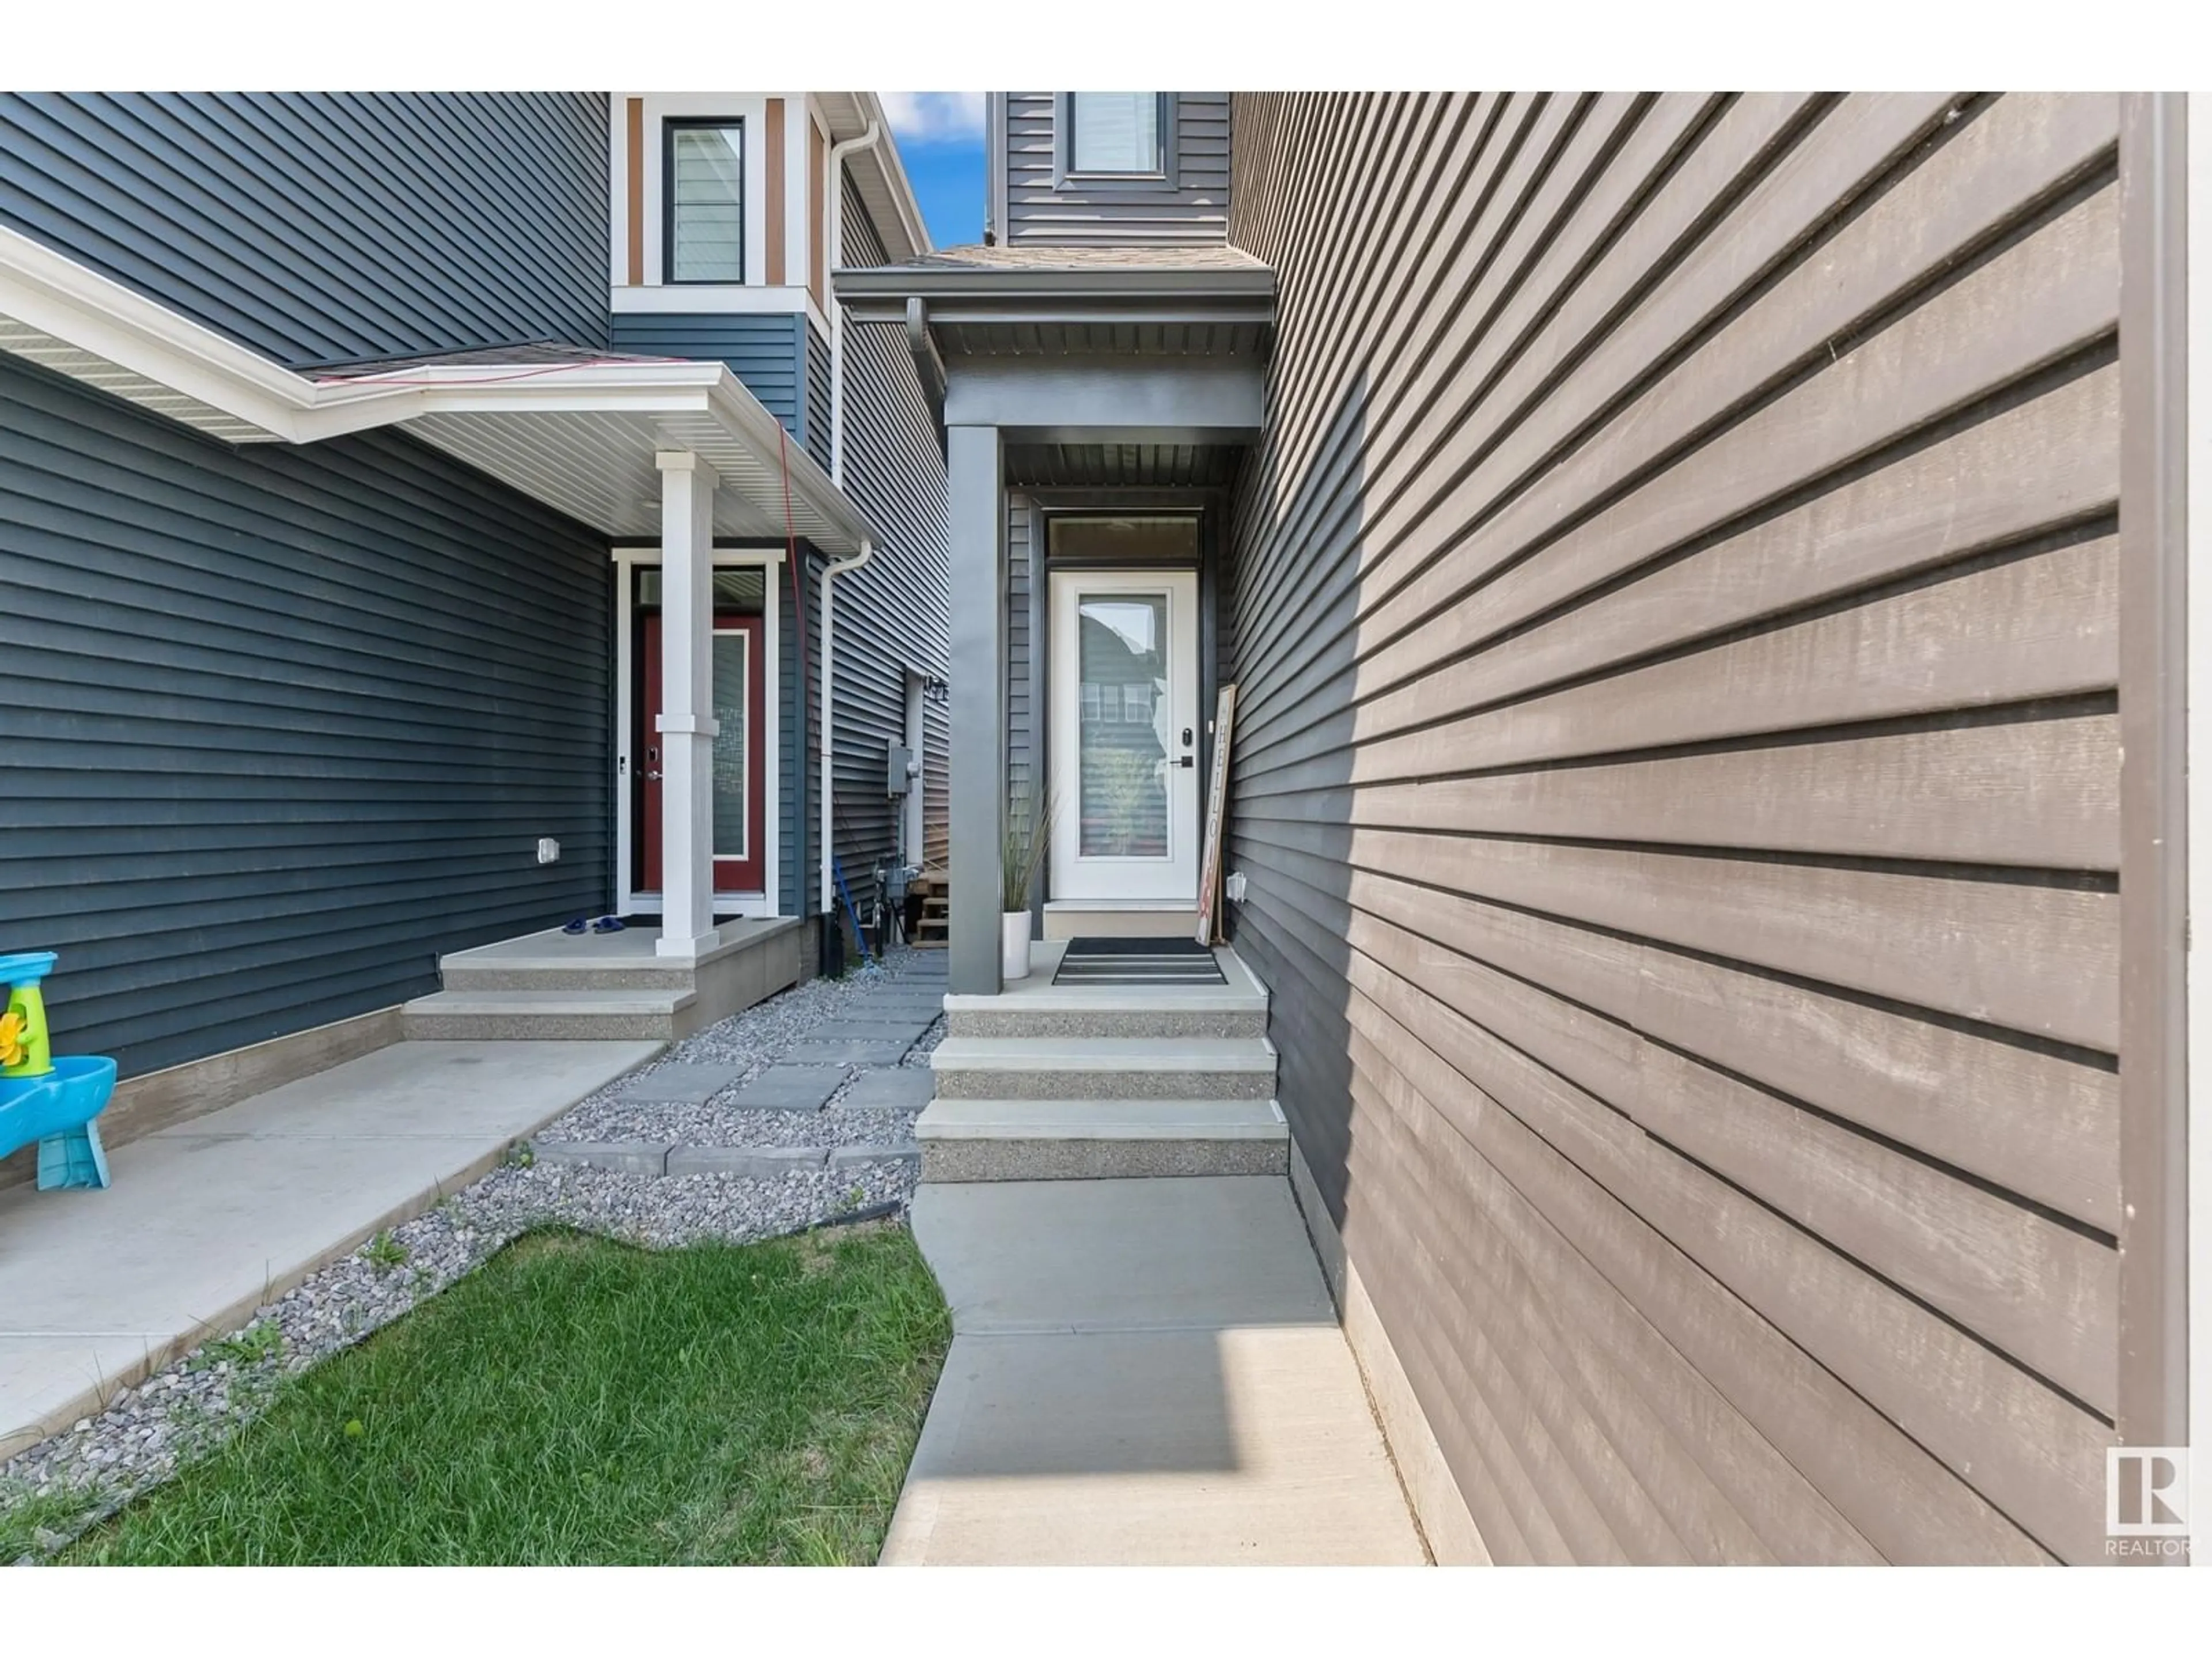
[765,351]
[314,226]
[1194,210]
[892,618]
[1676,778]
[282,724]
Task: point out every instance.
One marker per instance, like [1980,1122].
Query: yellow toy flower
[15,1038]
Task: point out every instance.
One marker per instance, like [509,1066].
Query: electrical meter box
[897,775]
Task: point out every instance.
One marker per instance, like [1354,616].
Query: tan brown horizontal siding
[1676,776]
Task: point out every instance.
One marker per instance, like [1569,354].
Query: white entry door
[1124,735]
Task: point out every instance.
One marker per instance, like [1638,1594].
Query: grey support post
[977,513]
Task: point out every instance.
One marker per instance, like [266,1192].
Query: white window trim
[629,901]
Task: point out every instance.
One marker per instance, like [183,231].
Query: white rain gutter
[836,187]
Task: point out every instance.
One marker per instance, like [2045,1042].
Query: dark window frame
[1066,176]
[669,126]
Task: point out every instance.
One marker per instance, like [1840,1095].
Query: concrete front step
[1100,1140]
[1105,1068]
[1105,1013]
[459,974]
[547,1015]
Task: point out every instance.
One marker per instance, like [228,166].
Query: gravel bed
[710,1125]
[146,1433]
[753,1041]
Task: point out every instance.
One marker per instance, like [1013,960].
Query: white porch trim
[579,436]
[687,724]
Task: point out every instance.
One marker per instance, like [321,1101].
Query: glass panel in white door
[1124,692]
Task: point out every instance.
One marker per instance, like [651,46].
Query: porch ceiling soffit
[579,436]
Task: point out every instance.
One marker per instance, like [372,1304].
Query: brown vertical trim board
[2154,873]
[817,152]
[774,157]
[634,171]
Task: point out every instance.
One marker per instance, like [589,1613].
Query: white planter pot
[1014,944]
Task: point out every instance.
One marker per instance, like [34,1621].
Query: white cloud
[934,117]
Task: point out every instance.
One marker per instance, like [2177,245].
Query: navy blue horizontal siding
[766,351]
[281,725]
[819,380]
[314,226]
[892,615]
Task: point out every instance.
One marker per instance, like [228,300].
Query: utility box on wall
[898,774]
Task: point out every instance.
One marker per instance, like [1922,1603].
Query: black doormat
[1138,962]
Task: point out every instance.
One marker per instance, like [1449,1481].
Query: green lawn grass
[577,1401]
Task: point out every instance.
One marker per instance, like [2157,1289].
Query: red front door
[740,781]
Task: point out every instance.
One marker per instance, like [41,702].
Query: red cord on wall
[798,603]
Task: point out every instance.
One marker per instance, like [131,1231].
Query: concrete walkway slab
[209,1218]
[1142,1372]
[1202,1252]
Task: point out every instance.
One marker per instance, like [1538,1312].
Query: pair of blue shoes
[603,925]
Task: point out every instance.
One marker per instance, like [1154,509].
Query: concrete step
[1100,1140]
[1105,1068]
[492,974]
[1111,1012]
[546,1016]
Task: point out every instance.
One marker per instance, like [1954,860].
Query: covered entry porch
[1097,404]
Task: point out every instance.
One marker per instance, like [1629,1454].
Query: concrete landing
[1142,1373]
[210,1219]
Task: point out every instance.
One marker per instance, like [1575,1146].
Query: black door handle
[1187,761]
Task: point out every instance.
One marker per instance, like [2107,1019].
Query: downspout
[836,256]
[836,187]
[837,568]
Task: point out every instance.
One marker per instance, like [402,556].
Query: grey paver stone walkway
[906,1151]
[847,1054]
[645,1158]
[761,1161]
[897,1088]
[908,1031]
[789,1089]
[688,1081]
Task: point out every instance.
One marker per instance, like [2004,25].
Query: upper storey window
[705,171]
[1115,132]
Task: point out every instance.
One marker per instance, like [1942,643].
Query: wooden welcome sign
[1217,810]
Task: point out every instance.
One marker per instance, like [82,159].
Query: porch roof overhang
[1072,306]
[575,429]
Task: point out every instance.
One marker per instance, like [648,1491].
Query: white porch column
[687,705]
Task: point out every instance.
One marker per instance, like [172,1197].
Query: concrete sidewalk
[1142,1372]
[211,1217]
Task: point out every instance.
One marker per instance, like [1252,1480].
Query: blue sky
[940,139]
